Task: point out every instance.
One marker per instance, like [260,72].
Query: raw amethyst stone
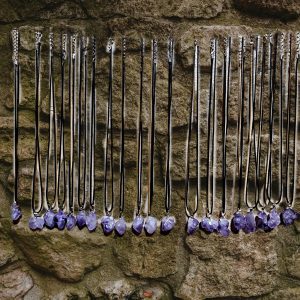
[288,216]
[60,220]
[49,218]
[137,225]
[150,225]
[91,221]
[238,222]
[250,224]
[120,227]
[36,223]
[167,224]
[192,225]
[71,222]
[223,227]
[262,221]
[81,219]
[208,225]
[15,213]
[273,219]
[108,224]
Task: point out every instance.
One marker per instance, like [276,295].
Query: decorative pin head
[170,50]
[212,48]
[51,43]
[154,50]
[74,44]
[64,39]
[15,42]
[124,48]
[38,38]
[110,48]
[282,38]
[94,49]
[298,44]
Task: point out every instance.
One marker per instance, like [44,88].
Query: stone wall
[80,265]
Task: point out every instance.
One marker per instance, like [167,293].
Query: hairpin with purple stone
[192,222]
[168,221]
[107,221]
[120,225]
[16,214]
[138,222]
[36,222]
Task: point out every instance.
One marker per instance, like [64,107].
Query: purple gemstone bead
[36,223]
[91,221]
[250,224]
[208,225]
[192,225]
[167,224]
[223,227]
[71,222]
[49,218]
[288,216]
[137,225]
[238,222]
[120,227]
[15,213]
[262,221]
[150,225]
[81,219]
[108,224]
[273,219]
[60,219]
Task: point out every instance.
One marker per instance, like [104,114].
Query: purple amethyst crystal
[137,225]
[262,221]
[71,222]
[167,224]
[192,225]
[91,221]
[250,224]
[208,225]
[108,224]
[223,227]
[273,219]
[288,216]
[15,213]
[49,218]
[81,219]
[120,227]
[36,223]
[60,220]
[150,225]
[238,222]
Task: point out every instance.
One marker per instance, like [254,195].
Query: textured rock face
[77,264]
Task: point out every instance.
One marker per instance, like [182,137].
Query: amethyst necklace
[15,208]
[151,222]
[192,222]
[223,226]
[138,222]
[208,224]
[168,221]
[120,225]
[107,221]
[49,216]
[91,219]
[36,222]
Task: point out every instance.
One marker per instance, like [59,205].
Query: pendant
[60,220]
[120,226]
[273,218]
[15,213]
[91,221]
[108,224]
[36,223]
[167,224]
[250,223]
[81,219]
[71,222]
[192,225]
[49,219]
[223,227]
[150,225]
[262,221]
[288,216]
[138,225]
[209,225]
[238,222]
